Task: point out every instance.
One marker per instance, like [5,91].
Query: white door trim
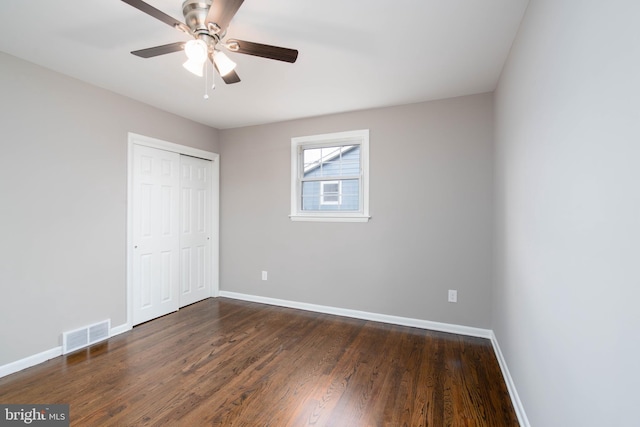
[135,139]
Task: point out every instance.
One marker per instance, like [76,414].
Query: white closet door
[156,238]
[195,230]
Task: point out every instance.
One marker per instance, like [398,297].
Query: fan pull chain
[206,82]
[213,77]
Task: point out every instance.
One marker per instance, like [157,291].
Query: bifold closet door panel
[195,229]
[156,236]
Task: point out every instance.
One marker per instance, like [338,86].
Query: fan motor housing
[195,14]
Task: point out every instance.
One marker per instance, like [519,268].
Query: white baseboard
[513,393]
[125,327]
[29,361]
[404,321]
[364,315]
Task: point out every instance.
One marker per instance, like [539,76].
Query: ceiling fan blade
[231,78]
[159,50]
[221,13]
[152,11]
[263,50]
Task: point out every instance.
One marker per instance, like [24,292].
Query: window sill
[330,218]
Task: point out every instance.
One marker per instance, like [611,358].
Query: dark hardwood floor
[222,362]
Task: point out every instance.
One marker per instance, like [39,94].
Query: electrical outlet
[453,295]
[264,275]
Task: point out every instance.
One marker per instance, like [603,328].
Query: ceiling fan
[207,23]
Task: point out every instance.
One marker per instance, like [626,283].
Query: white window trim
[358,137]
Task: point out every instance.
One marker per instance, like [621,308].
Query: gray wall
[63,194]
[431,178]
[568,213]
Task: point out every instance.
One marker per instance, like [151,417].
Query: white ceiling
[354,54]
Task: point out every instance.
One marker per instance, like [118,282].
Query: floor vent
[83,337]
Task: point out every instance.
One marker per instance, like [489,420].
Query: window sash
[320,178]
[325,158]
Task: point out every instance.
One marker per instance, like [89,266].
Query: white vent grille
[99,332]
[75,339]
[83,337]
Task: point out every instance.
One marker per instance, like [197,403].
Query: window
[329,177]
[330,192]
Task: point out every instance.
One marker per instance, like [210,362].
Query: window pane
[332,187]
[332,161]
[350,200]
[311,159]
[317,195]
[330,198]
[311,196]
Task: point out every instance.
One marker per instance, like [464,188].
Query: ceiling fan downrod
[195,14]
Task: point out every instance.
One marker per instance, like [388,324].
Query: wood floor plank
[222,362]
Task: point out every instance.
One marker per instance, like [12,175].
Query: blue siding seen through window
[339,165]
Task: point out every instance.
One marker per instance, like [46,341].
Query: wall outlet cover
[453,295]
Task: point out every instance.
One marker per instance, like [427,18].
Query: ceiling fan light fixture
[223,63]
[196,51]
[194,67]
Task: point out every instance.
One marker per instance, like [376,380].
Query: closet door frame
[136,139]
